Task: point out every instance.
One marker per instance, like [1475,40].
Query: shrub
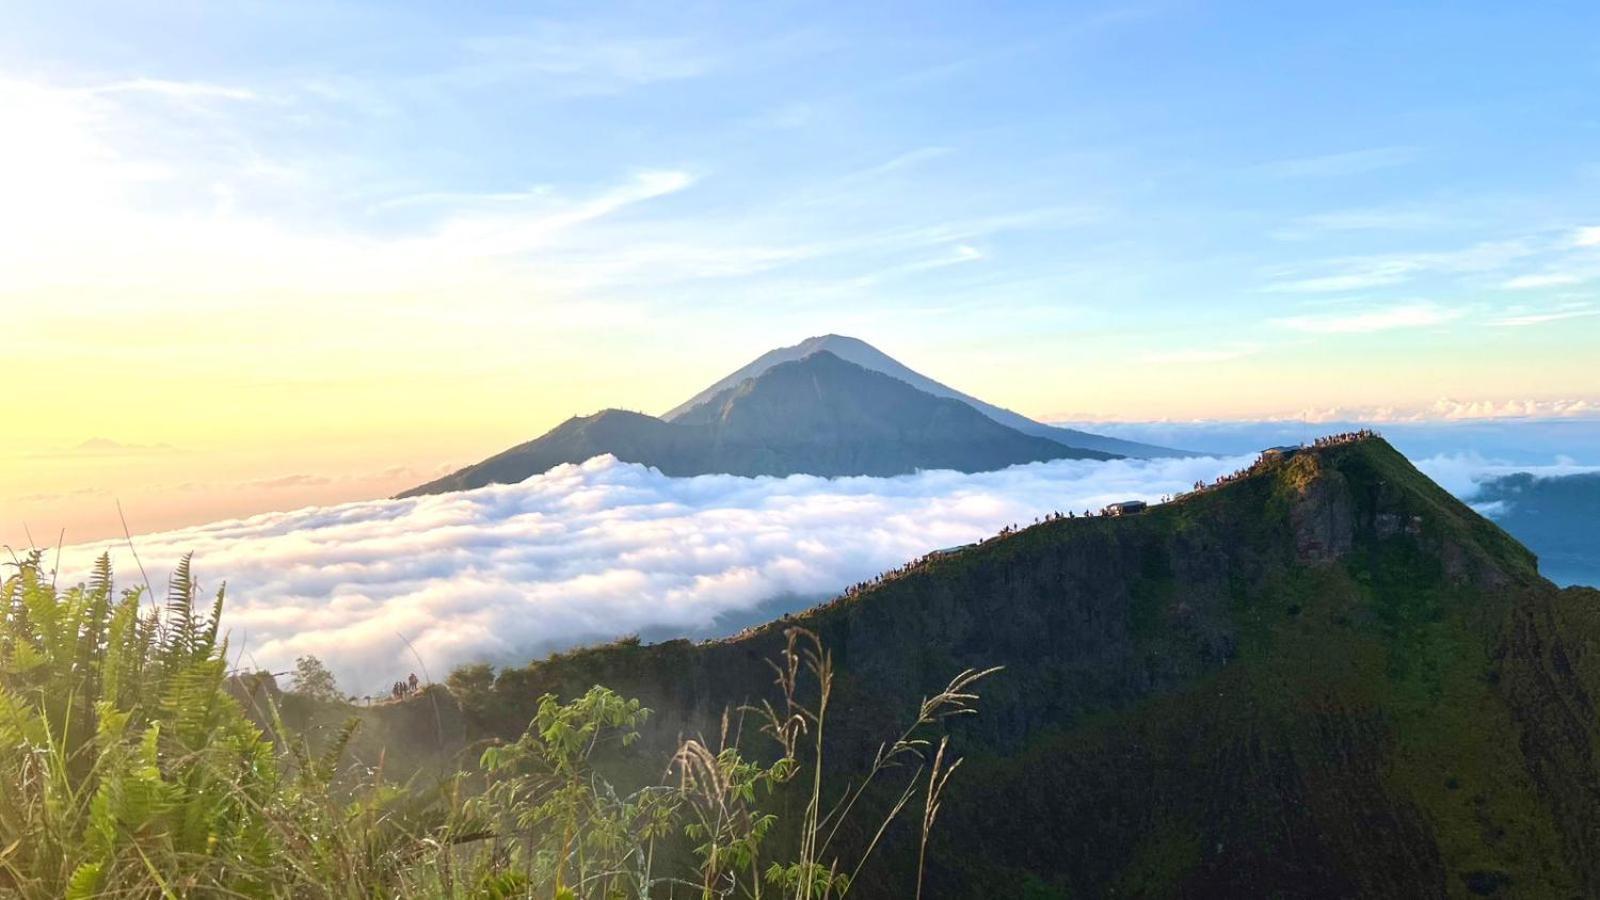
[130,769]
[312,679]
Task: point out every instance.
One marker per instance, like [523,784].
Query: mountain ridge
[1324,677]
[867,356]
[819,415]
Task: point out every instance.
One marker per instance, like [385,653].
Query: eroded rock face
[1323,519]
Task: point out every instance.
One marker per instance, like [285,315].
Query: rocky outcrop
[1323,514]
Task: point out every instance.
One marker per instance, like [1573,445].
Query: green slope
[1328,678]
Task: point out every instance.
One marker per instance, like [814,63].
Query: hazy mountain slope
[818,415]
[1558,517]
[867,356]
[826,416]
[1329,678]
[630,436]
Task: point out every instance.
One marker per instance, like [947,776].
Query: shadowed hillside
[1325,678]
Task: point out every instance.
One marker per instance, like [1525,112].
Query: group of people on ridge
[408,688]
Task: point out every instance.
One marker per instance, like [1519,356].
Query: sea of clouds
[1466,474]
[591,552]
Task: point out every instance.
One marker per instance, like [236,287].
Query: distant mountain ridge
[869,357]
[816,415]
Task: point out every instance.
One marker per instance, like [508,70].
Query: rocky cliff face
[1328,678]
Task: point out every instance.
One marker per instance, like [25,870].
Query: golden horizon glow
[324,278]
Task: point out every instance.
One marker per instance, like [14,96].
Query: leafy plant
[313,679]
[135,765]
[561,824]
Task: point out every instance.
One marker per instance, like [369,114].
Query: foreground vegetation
[1326,677]
[134,765]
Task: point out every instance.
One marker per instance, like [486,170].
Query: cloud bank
[1465,474]
[590,552]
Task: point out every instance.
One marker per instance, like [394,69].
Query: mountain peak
[816,414]
[867,356]
[830,341]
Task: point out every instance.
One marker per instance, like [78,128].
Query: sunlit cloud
[591,552]
[1587,237]
[1525,319]
[1446,409]
[79,215]
[1437,411]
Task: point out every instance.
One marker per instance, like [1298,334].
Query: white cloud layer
[591,552]
[1464,474]
[1447,409]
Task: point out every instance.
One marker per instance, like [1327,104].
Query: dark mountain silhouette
[869,357]
[1327,678]
[818,415]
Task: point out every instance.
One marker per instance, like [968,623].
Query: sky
[260,255]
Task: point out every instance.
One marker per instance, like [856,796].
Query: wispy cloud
[1418,314]
[1374,274]
[1376,219]
[954,256]
[1198,356]
[502,232]
[104,447]
[177,90]
[577,59]
[903,161]
[1352,162]
[71,182]
[1587,237]
[1363,272]
[1542,280]
[1524,319]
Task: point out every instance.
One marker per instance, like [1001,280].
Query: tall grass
[133,765]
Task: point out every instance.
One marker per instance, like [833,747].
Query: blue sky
[1183,183]
[333,229]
